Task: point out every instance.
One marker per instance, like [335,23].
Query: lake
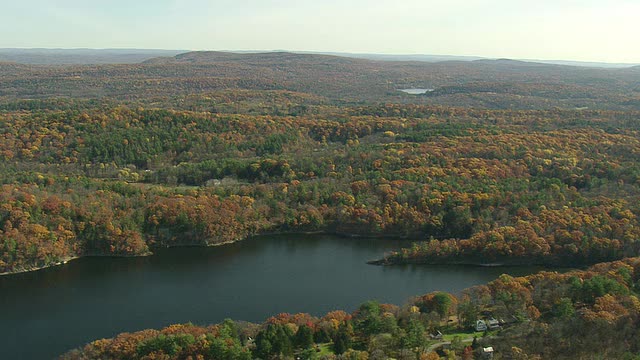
[47,312]
[416,91]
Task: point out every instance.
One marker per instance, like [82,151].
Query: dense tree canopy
[502,163]
[479,186]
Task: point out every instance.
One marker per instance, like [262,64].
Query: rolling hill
[495,84]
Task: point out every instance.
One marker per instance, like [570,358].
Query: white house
[481,325]
[487,352]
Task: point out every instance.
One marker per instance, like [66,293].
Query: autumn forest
[504,163]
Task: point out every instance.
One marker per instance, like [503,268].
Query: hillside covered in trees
[493,84]
[504,162]
[89,177]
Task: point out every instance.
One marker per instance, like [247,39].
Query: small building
[493,324]
[487,352]
[213,182]
[481,325]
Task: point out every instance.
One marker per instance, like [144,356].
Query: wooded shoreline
[199,244]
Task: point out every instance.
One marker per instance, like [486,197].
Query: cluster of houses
[483,325]
[490,324]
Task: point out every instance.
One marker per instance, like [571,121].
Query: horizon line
[328,52]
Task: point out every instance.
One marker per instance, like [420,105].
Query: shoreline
[378,262]
[475,263]
[149,253]
[385,262]
[22,271]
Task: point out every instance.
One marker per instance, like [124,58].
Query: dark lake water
[47,312]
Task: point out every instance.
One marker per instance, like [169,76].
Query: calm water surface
[47,312]
[416,91]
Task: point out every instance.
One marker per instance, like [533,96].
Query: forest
[469,186]
[490,84]
[504,163]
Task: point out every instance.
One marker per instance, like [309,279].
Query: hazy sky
[590,30]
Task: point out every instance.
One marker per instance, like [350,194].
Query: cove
[48,312]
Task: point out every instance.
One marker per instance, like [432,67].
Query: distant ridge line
[54,56]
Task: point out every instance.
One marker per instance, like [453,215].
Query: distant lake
[416,91]
[47,312]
